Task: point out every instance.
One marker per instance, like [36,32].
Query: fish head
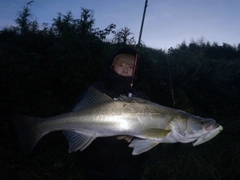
[189,128]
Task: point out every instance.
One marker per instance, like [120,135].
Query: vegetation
[44,69]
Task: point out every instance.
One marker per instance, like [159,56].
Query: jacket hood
[109,72]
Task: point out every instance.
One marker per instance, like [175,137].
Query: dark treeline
[43,69]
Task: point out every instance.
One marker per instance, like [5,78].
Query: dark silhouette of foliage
[205,76]
[25,25]
[123,36]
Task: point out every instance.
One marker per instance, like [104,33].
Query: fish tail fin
[28,133]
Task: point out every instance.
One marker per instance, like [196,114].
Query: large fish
[101,116]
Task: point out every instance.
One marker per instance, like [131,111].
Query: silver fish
[101,116]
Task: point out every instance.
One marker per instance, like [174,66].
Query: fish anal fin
[142,145]
[77,141]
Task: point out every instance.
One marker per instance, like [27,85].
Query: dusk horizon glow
[167,23]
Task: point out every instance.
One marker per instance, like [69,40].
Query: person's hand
[127,138]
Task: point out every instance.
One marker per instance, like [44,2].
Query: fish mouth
[210,125]
[211,133]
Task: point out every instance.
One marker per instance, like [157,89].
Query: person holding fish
[98,119]
[116,82]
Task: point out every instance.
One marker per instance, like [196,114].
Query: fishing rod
[171,84]
[137,53]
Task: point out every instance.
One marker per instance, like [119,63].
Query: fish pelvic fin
[28,133]
[142,145]
[77,140]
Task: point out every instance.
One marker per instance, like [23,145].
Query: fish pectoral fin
[142,145]
[77,141]
[156,133]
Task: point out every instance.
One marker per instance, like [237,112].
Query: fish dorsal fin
[132,99]
[93,96]
[142,145]
[77,141]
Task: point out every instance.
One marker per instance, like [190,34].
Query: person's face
[123,69]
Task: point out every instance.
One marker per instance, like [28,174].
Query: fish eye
[201,121]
